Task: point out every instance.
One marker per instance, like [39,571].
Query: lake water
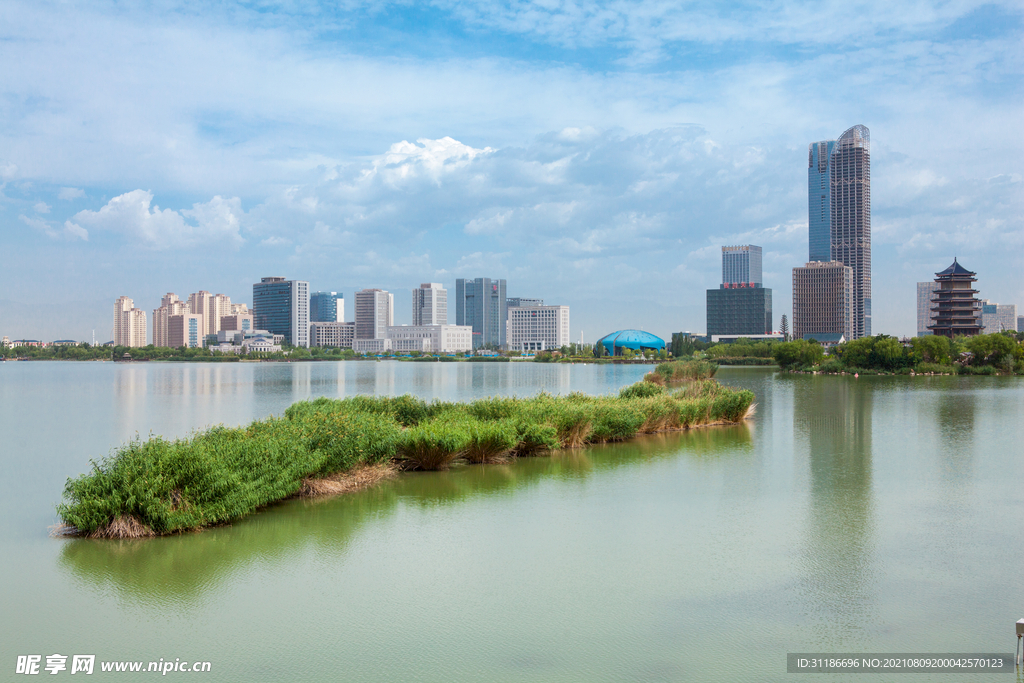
[849,515]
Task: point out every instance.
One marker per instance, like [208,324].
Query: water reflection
[832,419]
[182,569]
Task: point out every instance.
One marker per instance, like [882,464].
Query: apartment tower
[129,324]
[839,213]
[430,304]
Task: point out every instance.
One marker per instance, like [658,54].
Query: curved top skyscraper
[839,212]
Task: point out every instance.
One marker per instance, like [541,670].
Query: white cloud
[69,231]
[68,194]
[129,214]
[41,207]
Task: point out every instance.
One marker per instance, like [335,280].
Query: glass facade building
[481,304]
[282,307]
[841,216]
[742,265]
[326,307]
[746,310]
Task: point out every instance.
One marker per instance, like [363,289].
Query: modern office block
[238,322]
[998,317]
[431,338]
[515,301]
[375,311]
[957,310]
[739,310]
[129,324]
[1020,323]
[823,300]
[430,304]
[481,304]
[925,316]
[843,213]
[186,329]
[326,307]
[332,334]
[281,306]
[537,328]
[742,265]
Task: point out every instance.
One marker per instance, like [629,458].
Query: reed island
[322,447]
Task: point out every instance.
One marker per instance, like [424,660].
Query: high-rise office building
[481,304]
[823,296]
[843,212]
[742,265]
[129,324]
[326,307]
[925,316]
[957,311]
[997,317]
[740,305]
[430,304]
[375,311]
[281,306]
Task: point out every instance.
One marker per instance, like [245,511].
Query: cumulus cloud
[68,194]
[131,215]
[42,207]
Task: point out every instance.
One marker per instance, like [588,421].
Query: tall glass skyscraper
[839,212]
[281,306]
[482,305]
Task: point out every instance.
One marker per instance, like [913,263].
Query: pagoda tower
[957,311]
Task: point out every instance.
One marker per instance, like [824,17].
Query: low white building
[431,338]
[333,334]
[537,328]
[371,345]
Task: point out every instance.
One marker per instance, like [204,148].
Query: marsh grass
[327,447]
[684,370]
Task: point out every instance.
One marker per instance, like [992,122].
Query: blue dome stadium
[637,340]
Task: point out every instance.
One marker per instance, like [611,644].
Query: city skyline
[591,159]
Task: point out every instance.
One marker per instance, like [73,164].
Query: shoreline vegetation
[1000,353]
[332,446]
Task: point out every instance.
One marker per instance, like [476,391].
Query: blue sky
[595,154]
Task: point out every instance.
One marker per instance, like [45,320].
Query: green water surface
[849,515]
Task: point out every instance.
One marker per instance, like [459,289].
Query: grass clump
[325,447]
[685,370]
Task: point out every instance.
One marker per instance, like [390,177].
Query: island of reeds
[325,446]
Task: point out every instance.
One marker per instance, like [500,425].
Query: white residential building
[129,324]
[538,328]
[332,334]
